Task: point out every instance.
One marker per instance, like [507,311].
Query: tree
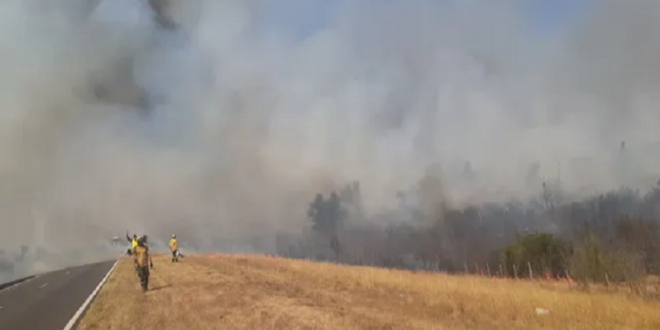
[328,216]
[640,238]
[351,198]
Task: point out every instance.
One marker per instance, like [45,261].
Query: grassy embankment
[255,292]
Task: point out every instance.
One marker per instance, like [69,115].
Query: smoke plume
[220,120]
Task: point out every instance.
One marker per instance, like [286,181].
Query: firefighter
[143,262]
[174,247]
[133,241]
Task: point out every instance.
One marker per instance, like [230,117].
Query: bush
[543,251]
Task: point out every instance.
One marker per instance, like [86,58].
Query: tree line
[609,237]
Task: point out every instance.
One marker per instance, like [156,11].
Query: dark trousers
[175,256]
[143,274]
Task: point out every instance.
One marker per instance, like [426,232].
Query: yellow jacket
[174,245]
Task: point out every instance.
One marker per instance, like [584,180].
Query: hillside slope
[255,292]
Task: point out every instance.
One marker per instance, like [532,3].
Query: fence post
[515,271]
[467,271]
[476,269]
[501,271]
[607,280]
[488,269]
[529,266]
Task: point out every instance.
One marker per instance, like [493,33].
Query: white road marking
[43,286]
[19,284]
[67,273]
[74,319]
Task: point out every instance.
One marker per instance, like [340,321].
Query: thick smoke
[223,128]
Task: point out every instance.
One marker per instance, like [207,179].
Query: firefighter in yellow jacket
[174,247]
[143,262]
[133,241]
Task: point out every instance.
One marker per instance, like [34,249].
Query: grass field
[258,292]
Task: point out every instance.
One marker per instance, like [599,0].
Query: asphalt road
[49,301]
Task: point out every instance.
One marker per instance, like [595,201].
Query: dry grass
[254,292]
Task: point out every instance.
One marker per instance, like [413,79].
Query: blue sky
[555,15]
[304,17]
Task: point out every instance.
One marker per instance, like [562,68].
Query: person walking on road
[143,262]
[174,247]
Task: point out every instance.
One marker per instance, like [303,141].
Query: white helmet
[173,235]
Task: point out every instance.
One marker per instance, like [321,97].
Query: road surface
[49,301]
